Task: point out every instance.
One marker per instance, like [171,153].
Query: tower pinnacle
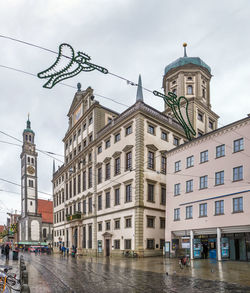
[185,52]
[139,95]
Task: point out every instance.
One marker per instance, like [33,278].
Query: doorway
[107,244]
[237,249]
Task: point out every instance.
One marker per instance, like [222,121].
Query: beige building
[208,192]
[110,194]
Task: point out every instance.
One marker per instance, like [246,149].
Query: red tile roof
[45,207]
[1,228]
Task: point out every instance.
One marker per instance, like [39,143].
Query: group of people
[65,250]
[5,249]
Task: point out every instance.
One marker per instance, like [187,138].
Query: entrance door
[242,248]
[232,249]
[107,247]
[75,238]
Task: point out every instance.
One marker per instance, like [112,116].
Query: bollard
[25,288]
[25,277]
[22,269]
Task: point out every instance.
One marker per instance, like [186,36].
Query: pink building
[208,195]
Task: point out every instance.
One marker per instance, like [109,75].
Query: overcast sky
[127,37]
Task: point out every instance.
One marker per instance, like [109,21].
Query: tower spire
[185,52]
[139,95]
[54,167]
[28,122]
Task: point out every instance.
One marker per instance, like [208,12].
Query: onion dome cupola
[28,133]
[190,77]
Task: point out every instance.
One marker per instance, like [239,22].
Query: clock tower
[28,173]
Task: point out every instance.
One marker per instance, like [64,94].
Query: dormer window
[90,120]
[174,91]
[174,82]
[189,89]
[203,93]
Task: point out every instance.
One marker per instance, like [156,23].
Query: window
[176,141]
[151,192]
[117,166]
[203,182]
[100,226]
[107,143]
[174,91]
[176,214]
[128,196]
[79,184]
[108,226]
[204,156]
[151,129]
[84,126]
[117,137]
[162,223]
[116,244]
[84,143]
[210,124]
[128,130]
[150,243]
[99,175]
[189,185]
[151,159]
[117,224]
[219,178]
[74,137]
[129,161]
[90,204]
[219,207]
[90,120]
[203,210]
[99,202]
[117,196]
[90,138]
[220,151]
[79,206]
[163,165]
[177,189]
[107,171]
[150,222]
[164,136]
[189,212]
[238,204]
[190,161]
[99,149]
[238,173]
[189,89]
[127,244]
[84,181]
[189,78]
[177,166]
[162,243]
[90,177]
[128,222]
[107,200]
[31,183]
[163,195]
[238,145]
[84,207]
[200,116]
[109,120]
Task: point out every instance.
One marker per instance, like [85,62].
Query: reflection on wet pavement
[55,273]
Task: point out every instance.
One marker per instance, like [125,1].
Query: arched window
[190,90]
[28,159]
[32,160]
[189,78]
[174,91]
[44,233]
[26,137]
[29,137]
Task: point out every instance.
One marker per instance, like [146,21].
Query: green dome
[187,60]
[28,130]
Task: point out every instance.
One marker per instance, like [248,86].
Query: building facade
[110,194]
[208,192]
[31,223]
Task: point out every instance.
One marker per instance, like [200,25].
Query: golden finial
[185,52]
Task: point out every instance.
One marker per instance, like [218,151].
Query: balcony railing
[75,216]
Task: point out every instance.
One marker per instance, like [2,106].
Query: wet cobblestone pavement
[55,273]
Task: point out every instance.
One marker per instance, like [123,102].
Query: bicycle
[9,281]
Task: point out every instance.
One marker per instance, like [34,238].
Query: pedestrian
[7,251]
[63,250]
[67,251]
[2,249]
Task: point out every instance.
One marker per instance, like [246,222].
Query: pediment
[106,160]
[116,154]
[127,148]
[107,235]
[152,147]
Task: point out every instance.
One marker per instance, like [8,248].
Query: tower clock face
[31,170]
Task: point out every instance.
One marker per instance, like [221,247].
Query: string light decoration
[175,105]
[65,68]
[68,65]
